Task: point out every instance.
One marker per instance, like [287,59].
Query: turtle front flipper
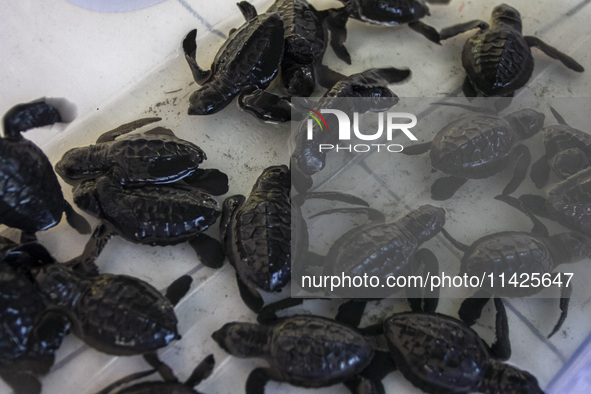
[327,77]
[429,32]
[178,289]
[111,135]
[190,49]
[565,294]
[85,263]
[425,264]
[471,308]
[540,172]
[454,30]
[23,117]
[521,152]
[336,22]
[247,9]
[201,372]
[258,379]
[417,149]
[536,205]
[381,365]
[351,312]
[501,348]
[554,53]
[444,188]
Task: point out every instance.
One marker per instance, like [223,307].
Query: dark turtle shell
[248,59]
[561,138]
[498,61]
[20,306]
[437,353]
[570,200]
[312,351]
[31,197]
[115,314]
[384,249]
[305,37]
[152,214]
[476,146]
[257,237]
[138,158]
[386,12]
[509,253]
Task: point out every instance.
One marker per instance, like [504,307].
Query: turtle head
[575,246]
[568,162]
[243,339]
[506,15]
[526,122]
[274,177]
[504,378]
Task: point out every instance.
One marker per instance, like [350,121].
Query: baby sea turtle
[440,354]
[498,59]
[307,351]
[372,94]
[306,38]
[147,188]
[568,202]
[480,146]
[115,314]
[386,249]
[153,157]
[249,59]
[568,151]
[518,253]
[31,197]
[31,333]
[257,233]
[393,13]
[152,215]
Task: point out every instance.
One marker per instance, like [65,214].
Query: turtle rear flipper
[21,382]
[76,220]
